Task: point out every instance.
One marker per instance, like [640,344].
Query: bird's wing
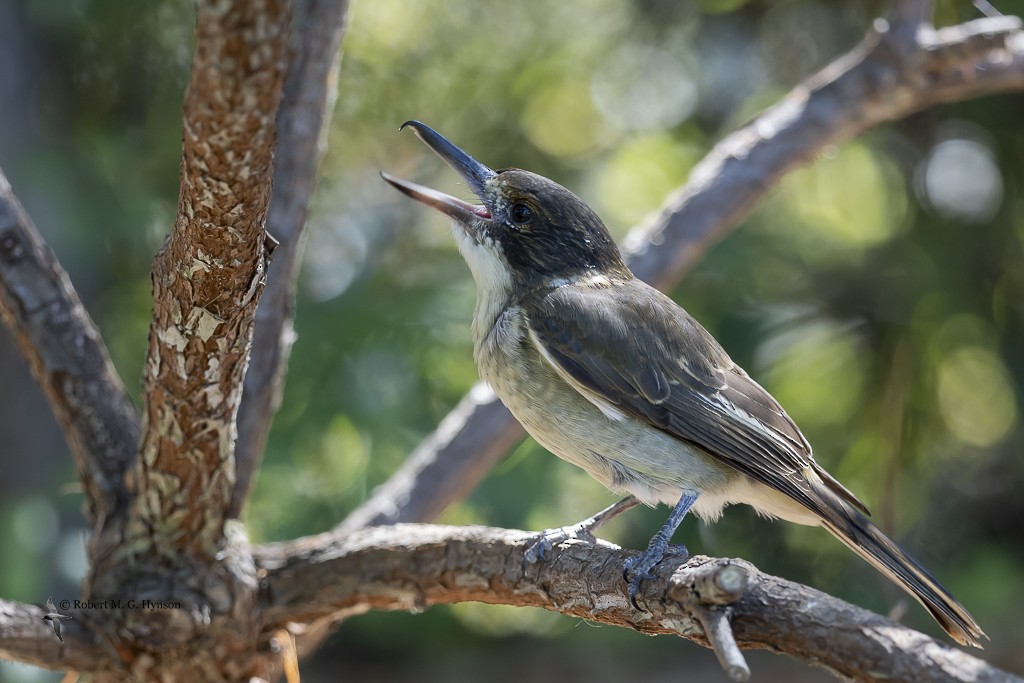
[630,346]
[49,604]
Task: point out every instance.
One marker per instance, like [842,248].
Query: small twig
[708,590]
[722,585]
[986,8]
[715,621]
[283,643]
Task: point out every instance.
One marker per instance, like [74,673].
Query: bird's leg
[638,567]
[584,530]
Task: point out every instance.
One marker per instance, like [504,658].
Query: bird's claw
[538,547]
[640,568]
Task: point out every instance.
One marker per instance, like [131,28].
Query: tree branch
[411,567]
[313,581]
[25,637]
[208,276]
[899,68]
[318,27]
[67,356]
[880,80]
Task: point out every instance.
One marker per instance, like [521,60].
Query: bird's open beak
[472,171]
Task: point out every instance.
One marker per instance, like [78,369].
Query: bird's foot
[639,567]
[539,546]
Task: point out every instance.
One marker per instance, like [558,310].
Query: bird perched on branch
[611,375]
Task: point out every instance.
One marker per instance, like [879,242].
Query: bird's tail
[864,538]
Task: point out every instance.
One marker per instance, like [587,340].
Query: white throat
[492,275]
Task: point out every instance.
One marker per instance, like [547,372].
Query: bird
[53,617]
[611,375]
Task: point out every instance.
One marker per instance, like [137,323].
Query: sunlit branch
[411,567]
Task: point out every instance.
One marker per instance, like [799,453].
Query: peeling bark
[208,277]
[174,546]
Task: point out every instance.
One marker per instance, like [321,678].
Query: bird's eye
[521,213]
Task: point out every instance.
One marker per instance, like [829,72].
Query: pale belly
[625,455]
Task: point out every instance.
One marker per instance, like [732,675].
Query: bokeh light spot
[640,87]
[639,176]
[815,371]
[849,201]
[962,181]
[976,397]
[561,120]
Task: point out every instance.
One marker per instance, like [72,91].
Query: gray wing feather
[634,348]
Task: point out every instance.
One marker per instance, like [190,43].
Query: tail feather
[864,538]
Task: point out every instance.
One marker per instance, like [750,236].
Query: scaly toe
[681,550]
[636,569]
[537,549]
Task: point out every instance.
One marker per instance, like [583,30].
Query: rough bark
[322,579]
[173,545]
[63,348]
[209,274]
[902,66]
[411,567]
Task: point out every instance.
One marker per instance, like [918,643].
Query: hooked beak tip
[471,170]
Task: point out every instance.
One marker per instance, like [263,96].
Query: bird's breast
[624,454]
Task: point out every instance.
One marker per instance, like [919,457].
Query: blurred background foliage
[879,294]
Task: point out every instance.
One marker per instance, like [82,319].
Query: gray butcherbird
[611,375]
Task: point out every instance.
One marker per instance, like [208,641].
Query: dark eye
[521,213]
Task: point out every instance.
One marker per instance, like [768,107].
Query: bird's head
[527,232]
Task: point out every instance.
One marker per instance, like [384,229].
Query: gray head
[527,229]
